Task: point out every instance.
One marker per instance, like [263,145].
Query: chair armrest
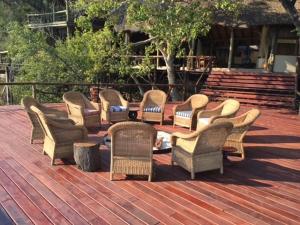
[75,109]
[176,135]
[95,105]
[210,113]
[105,105]
[123,101]
[182,107]
[142,105]
[237,121]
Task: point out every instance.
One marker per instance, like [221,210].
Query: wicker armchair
[152,106]
[241,125]
[36,130]
[114,107]
[131,148]
[185,114]
[60,135]
[226,109]
[81,110]
[202,149]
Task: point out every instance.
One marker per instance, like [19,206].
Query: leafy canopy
[169,22]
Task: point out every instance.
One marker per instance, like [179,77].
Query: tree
[168,23]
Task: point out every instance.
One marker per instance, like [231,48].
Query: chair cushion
[90,112]
[204,121]
[186,114]
[118,108]
[155,109]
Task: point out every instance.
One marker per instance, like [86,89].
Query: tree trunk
[136,81]
[169,60]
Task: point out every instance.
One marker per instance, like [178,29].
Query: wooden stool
[87,156]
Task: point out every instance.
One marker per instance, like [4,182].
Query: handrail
[42,14]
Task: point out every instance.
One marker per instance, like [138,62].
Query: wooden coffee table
[87,155]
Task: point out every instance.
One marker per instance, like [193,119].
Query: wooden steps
[262,89]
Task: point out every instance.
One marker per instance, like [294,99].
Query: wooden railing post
[33,90]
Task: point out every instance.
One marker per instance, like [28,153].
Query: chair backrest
[198,101]
[230,107]
[212,137]
[43,121]
[155,98]
[27,102]
[111,95]
[129,139]
[75,98]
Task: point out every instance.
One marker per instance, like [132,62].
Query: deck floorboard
[262,189]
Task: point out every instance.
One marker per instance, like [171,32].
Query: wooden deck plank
[263,189]
[49,211]
[4,217]
[12,209]
[33,212]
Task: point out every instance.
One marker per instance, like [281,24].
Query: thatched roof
[261,12]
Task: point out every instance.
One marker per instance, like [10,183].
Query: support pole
[230,56]
[67,19]
[7,87]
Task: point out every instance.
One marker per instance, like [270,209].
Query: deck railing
[39,90]
[47,18]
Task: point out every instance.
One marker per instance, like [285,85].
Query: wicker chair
[81,110]
[131,148]
[36,130]
[185,114]
[226,109]
[114,107]
[60,135]
[202,149]
[241,125]
[152,106]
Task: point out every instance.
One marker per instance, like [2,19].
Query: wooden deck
[263,189]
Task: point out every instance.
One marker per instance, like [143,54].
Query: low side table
[87,156]
[133,113]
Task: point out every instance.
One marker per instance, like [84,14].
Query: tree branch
[137,44]
[289,6]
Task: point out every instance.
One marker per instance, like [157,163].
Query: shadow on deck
[263,189]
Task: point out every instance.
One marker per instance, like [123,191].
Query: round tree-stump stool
[87,156]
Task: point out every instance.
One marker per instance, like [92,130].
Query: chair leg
[221,169]
[111,176]
[241,150]
[193,175]
[52,161]
[150,177]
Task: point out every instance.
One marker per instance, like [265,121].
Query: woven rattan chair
[241,125]
[81,110]
[202,149]
[131,148]
[114,107]
[152,106]
[185,114]
[36,129]
[226,109]
[60,135]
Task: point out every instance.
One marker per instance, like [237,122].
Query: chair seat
[90,112]
[155,109]
[118,108]
[185,114]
